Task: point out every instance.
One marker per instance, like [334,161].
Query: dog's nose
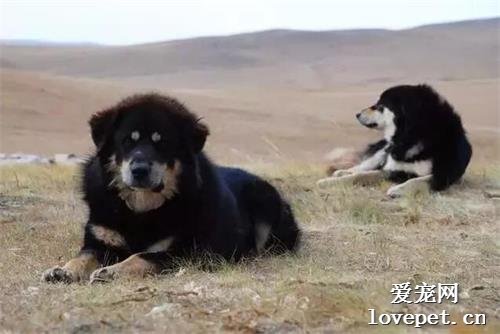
[140,169]
[358,115]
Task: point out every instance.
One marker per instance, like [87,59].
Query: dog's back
[271,218]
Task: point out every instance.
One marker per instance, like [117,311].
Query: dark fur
[215,208]
[422,115]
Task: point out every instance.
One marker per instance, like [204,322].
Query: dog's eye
[135,135]
[379,107]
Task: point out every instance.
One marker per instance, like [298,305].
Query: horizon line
[47,42]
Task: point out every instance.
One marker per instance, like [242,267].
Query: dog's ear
[101,125]
[199,136]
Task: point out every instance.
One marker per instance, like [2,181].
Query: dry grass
[357,243]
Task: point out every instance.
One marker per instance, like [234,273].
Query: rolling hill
[279,94]
[303,59]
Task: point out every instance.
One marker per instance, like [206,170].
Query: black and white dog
[424,142]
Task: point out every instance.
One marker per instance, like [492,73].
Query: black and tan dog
[154,197]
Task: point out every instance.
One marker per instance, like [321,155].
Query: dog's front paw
[409,188]
[58,274]
[342,172]
[103,275]
[396,191]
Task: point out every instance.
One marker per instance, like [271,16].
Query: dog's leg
[75,270]
[99,243]
[371,163]
[412,186]
[138,265]
[361,178]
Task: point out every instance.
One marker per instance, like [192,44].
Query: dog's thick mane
[421,114]
[102,122]
[428,127]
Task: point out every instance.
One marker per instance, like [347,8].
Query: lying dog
[154,197]
[424,143]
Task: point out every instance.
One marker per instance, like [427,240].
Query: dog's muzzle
[144,175]
[140,169]
[368,117]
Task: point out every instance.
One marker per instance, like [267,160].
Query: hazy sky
[135,21]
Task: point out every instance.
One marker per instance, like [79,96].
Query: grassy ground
[357,243]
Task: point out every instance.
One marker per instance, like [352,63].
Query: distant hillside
[36,42]
[302,59]
[271,95]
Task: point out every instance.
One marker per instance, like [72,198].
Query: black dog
[154,197]
[424,141]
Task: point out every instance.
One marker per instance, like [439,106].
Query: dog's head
[379,116]
[398,108]
[144,140]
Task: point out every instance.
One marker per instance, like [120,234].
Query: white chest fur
[421,167]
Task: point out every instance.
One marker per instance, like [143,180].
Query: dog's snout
[140,169]
[358,115]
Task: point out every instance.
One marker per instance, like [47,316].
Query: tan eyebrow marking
[155,137]
[135,135]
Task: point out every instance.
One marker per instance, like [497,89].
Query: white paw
[58,274]
[342,172]
[103,275]
[395,191]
